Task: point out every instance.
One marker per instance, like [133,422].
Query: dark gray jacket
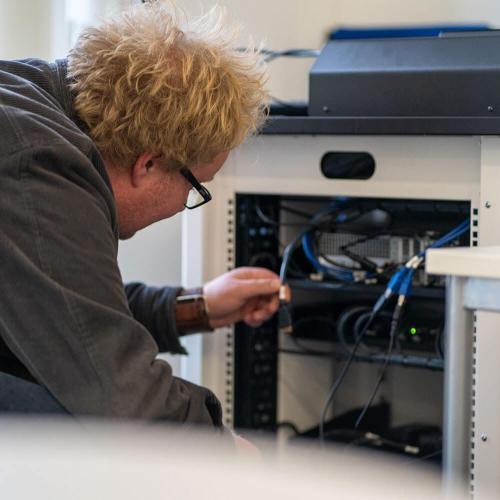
[66,320]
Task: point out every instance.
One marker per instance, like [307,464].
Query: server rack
[461,169]
[427,146]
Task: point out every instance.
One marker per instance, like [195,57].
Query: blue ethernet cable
[340,274]
[414,262]
[404,278]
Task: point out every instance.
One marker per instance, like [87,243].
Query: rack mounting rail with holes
[399,152]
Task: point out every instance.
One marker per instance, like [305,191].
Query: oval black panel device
[347,165]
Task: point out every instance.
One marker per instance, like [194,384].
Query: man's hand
[248,294]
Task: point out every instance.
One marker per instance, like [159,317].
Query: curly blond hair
[144,83]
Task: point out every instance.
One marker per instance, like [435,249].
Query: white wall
[47,28]
[33,28]
[153,256]
[299,23]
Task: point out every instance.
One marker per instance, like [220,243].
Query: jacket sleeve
[64,312]
[154,307]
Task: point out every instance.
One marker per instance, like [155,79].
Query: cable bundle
[399,284]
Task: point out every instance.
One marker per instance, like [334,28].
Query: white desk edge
[476,262]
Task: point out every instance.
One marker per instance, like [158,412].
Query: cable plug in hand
[248,294]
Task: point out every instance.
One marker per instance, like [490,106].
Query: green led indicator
[413,331]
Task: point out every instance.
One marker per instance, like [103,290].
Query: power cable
[394,327]
[336,385]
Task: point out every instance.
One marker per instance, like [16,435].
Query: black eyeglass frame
[202,190]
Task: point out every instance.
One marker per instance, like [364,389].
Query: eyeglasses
[198,195]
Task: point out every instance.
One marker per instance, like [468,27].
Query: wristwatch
[191,314]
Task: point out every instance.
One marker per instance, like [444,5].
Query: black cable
[271,55]
[342,321]
[389,267]
[287,254]
[257,259]
[358,326]
[316,221]
[284,315]
[328,259]
[263,217]
[404,360]
[296,273]
[267,220]
[340,378]
[362,240]
[274,54]
[393,331]
[296,212]
[363,262]
[285,324]
[337,264]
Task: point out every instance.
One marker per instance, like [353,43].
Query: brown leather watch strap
[191,315]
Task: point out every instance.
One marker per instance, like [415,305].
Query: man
[95,149]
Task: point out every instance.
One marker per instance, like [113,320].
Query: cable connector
[283,293]
[401,301]
[405,289]
[414,262]
[284,316]
[392,287]
[396,315]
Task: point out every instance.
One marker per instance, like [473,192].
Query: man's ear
[141,168]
